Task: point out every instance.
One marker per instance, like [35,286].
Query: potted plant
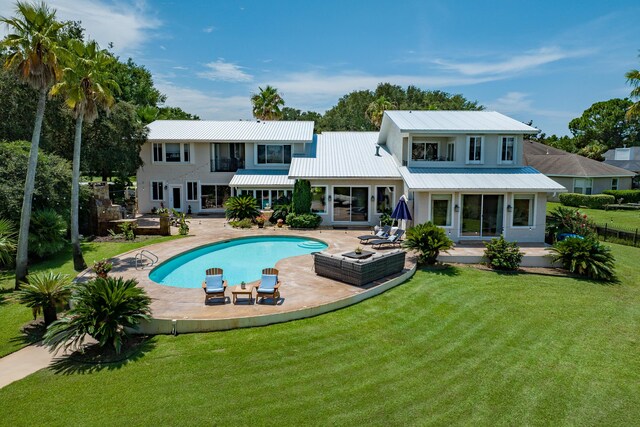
[102,267]
[279,222]
[243,285]
[260,221]
[358,250]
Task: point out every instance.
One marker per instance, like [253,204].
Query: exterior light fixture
[456,208]
[509,208]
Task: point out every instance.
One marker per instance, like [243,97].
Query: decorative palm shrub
[568,220]
[46,233]
[44,293]
[281,210]
[309,220]
[503,255]
[241,207]
[585,257]
[102,309]
[428,240]
[8,242]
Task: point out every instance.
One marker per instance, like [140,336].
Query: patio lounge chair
[214,285]
[269,285]
[383,233]
[394,239]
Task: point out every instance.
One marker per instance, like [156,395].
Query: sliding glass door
[482,215]
[351,204]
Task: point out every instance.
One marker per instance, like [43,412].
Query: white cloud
[208,29]
[519,103]
[225,71]
[126,24]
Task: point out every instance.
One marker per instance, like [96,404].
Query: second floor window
[474,154]
[172,152]
[507,149]
[157,152]
[274,154]
[424,151]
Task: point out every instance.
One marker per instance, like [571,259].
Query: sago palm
[267,104]
[375,110]
[45,292]
[7,241]
[87,87]
[32,46]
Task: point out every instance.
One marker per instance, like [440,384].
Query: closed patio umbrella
[401,212]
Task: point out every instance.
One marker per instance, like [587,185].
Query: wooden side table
[248,291]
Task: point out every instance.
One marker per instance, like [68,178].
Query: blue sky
[542,61]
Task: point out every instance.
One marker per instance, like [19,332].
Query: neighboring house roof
[555,162]
[630,165]
[438,122]
[230,131]
[261,178]
[345,155]
[479,179]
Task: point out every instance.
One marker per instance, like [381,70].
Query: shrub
[103,309]
[568,220]
[128,230]
[309,220]
[585,257]
[594,201]
[181,222]
[44,293]
[302,197]
[281,210]
[627,196]
[243,223]
[241,207]
[428,240]
[102,267]
[385,218]
[8,241]
[503,255]
[46,233]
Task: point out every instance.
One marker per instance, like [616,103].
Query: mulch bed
[112,239]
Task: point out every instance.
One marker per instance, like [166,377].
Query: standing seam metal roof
[261,178]
[240,131]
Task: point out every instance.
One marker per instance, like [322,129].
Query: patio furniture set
[215,286]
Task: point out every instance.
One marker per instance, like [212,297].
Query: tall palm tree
[267,104]
[33,48]
[375,110]
[633,78]
[86,86]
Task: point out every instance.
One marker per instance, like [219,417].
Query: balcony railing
[227,165]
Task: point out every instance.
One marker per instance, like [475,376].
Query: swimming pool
[241,259]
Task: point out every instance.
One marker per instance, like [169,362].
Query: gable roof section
[560,163]
[345,155]
[479,179]
[451,122]
[230,131]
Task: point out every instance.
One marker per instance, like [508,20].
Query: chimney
[377,150]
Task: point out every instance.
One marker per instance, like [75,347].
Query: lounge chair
[383,233]
[394,239]
[214,285]
[269,285]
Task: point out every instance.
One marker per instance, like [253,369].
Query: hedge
[627,196]
[594,201]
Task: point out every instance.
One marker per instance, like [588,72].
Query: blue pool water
[241,259]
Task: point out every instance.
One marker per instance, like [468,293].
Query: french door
[351,204]
[482,215]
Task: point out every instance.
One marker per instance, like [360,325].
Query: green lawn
[13,315]
[618,218]
[460,346]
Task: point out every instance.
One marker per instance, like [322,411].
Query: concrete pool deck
[303,293]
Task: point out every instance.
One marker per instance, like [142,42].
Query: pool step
[312,245]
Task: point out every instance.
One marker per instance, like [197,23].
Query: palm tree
[376,110]
[267,104]
[633,78]
[33,47]
[45,292]
[86,85]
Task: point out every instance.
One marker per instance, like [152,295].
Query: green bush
[503,255]
[243,223]
[44,293]
[128,230]
[593,201]
[309,220]
[241,207]
[585,257]
[8,242]
[385,218]
[627,196]
[104,309]
[46,233]
[281,210]
[302,197]
[428,240]
[569,220]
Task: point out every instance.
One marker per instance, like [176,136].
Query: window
[582,185]
[172,152]
[157,191]
[614,183]
[507,149]
[319,200]
[384,199]
[214,196]
[424,151]
[186,149]
[192,191]
[451,150]
[523,210]
[441,209]
[474,149]
[278,154]
[157,152]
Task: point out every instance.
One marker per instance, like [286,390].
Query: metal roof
[345,155]
[230,131]
[437,122]
[479,179]
[261,178]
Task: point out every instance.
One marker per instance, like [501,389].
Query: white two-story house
[463,170]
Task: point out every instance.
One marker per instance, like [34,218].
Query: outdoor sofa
[358,271]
